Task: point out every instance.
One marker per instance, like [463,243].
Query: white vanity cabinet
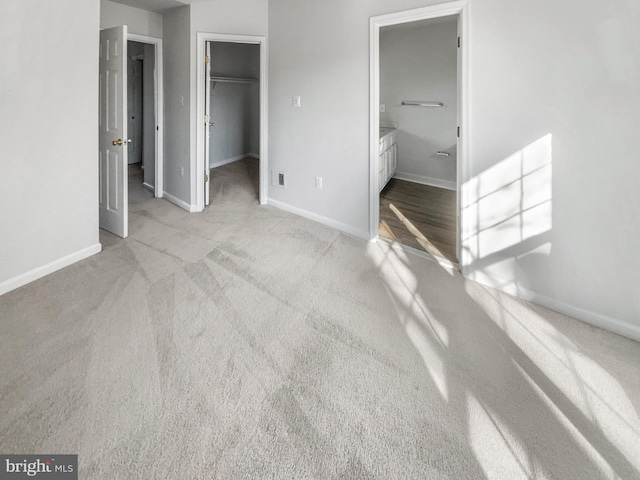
[388,156]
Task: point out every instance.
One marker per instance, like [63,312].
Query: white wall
[49,133]
[418,61]
[572,78]
[141,22]
[554,99]
[238,17]
[177,70]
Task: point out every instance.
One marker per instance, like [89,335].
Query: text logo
[50,467]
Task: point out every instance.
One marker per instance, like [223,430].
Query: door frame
[201,39]
[159,107]
[459,8]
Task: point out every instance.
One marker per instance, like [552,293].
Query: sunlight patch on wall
[509,202]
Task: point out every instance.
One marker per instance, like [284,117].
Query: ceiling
[157,6]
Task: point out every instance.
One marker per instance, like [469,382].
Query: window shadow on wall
[508,214]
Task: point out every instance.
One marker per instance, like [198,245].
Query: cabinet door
[382,166]
[391,161]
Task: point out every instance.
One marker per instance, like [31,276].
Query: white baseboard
[44,270]
[319,218]
[605,322]
[232,159]
[149,187]
[434,182]
[253,155]
[180,203]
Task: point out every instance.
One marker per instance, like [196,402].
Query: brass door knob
[120,141]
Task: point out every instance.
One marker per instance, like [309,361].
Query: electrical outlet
[296,102]
[182,171]
[383,108]
[319,183]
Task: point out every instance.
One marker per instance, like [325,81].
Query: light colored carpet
[245,342]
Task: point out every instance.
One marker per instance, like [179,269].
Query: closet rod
[415,103]
[233,80]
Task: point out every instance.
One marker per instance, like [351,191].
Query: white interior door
[207,124]
[113,170]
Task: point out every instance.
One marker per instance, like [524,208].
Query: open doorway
[418,120]
[113,124]
[232,149]
[130,71]
[141,117]
[417,111]
[145,113]
[231,112]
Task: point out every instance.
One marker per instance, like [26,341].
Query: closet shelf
[234,80]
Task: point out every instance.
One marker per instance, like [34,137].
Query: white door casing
[459,8]
[113,168]
[199,161]
[207,126]
[158,88]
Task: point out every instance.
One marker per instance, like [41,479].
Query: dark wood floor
[419,216]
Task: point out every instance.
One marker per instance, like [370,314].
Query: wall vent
[279,179]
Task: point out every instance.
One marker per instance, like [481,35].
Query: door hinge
[206,178]
[458,132]
[458,42]
[206,59]
[206,119]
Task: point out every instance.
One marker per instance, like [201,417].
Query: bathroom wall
[235,107]
[418,61]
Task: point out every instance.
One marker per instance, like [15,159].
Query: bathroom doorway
[416,120]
